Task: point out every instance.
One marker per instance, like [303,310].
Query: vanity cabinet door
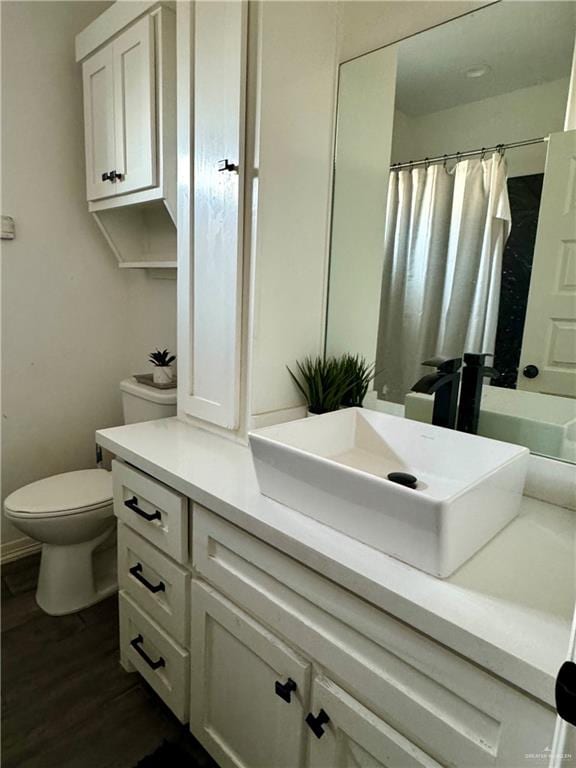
[344,733]
[249,690]
[134,108]
[98,82]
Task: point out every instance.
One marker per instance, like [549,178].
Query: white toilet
[73,516]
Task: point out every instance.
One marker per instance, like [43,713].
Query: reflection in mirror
[454,221]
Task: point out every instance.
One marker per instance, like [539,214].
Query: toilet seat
[70,493]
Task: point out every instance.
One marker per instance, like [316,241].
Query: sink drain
[403,478]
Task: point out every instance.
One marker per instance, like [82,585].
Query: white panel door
[135,107]
[98,82]
[249,691]
[344,734]
[211,389]
[549,344]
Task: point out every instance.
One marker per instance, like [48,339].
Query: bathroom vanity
[284,637]
[286,643]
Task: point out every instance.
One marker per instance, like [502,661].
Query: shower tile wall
[524,193]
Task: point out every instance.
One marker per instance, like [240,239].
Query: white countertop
[509,608]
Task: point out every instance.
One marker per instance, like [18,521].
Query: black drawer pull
[136,644]
[133,505]
[106,177]
[136,571]
[315,723]
[285,689]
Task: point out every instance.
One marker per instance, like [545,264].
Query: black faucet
[473,373]
[444,385]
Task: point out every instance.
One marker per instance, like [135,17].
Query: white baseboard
[14,550]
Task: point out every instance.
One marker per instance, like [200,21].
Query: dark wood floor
[66,702]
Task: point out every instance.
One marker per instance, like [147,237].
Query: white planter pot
[162,374]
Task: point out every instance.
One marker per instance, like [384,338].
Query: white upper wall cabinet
[129,75]
[210,248]
[99,122]
[120,114]
[135,107]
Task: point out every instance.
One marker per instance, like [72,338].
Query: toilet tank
[143,403]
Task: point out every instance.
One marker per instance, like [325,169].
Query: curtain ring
[445,161]
[426,163]
[458,157]
[500,149]
[482,153]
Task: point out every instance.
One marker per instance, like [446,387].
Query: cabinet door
[135,107]
[98,81]
[344,733]
[238,670]
[210,251]
[549,341]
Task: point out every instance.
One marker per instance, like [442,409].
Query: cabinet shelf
[141,236]
[149,265]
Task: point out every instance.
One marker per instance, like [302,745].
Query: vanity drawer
[162,662]
[155,582]
[450,708]
[153,510]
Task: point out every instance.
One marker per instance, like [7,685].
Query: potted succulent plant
[162,361]
[357,368]
[323,382]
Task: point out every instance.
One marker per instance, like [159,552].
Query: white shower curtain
[444,239]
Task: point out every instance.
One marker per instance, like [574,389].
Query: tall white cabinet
[212,46]
[233,354]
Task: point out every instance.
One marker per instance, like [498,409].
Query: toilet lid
[63,493]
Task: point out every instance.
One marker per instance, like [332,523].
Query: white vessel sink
[334,468]
[545,424]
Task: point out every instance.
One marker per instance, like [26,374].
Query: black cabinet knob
[115,176]
[106,177]
[285,689]
[531,371]
[226,165]
[315,723]
[566,692]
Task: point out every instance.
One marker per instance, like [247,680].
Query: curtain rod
[459,155]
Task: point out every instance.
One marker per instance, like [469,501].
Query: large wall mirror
[454,218]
